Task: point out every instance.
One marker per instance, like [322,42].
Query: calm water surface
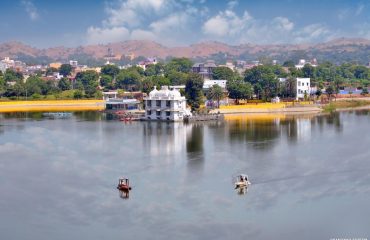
[310,178]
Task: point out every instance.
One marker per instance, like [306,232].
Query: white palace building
[165,105]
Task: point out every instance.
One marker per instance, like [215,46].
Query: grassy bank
[345,104]
[51,105]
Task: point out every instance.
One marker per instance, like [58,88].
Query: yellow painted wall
[52,106]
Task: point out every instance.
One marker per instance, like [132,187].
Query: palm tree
[216,93]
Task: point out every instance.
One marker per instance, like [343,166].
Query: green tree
[308,71]
[345,71]
[223,73]
[147,85]
[194,90]
[330,91]
[51,87]
[255,74]
[216,93]
[50,71]
[294,72]
[129,79]
[65,69]
[160,81]
[289,64]
[110,70]
[2,85]
[179,65]
[154,69]
[177,78]
[89,81]
[264,81]
[19,89]
[360,72]
[318,93]
[137,69]
[239,90]
[269,84]
[338,82]
[106,81]
[365,91]
[64,84]
[12,76]
[78,94]
[288,87]
[35,85]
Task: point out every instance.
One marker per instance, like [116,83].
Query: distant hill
[337,51]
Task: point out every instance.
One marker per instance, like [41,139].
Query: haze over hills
[338,51]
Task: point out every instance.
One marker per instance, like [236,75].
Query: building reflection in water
[328,120]
[171,140]
[195,148]
[164,139]
[261,131]
[258,130]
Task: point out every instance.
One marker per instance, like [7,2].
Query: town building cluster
[167,102]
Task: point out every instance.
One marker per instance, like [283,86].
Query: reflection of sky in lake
[310,178]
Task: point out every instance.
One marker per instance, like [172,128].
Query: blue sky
[44,23]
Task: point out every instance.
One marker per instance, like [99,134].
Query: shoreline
[98,105]
[290,110]
[51,106]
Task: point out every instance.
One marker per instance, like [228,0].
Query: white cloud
[31,10]
[106,35]
[174,23]
[139,34]
[217,26]
[232,4]
[346,13]
[284,23]
[170,23]
[313,33]
[132,12]
[228,25]
[165,21]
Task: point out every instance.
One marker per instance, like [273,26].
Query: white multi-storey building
[303,87]
[165,105]
[3,67]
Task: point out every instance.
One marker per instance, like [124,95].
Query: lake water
[310,178]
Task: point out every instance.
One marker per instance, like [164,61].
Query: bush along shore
[346,105]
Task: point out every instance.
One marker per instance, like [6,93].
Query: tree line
[261,82]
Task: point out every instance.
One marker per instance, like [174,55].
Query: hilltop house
[147,62]
[303,62]
[204,69]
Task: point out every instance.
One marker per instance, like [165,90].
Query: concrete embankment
[51,106]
